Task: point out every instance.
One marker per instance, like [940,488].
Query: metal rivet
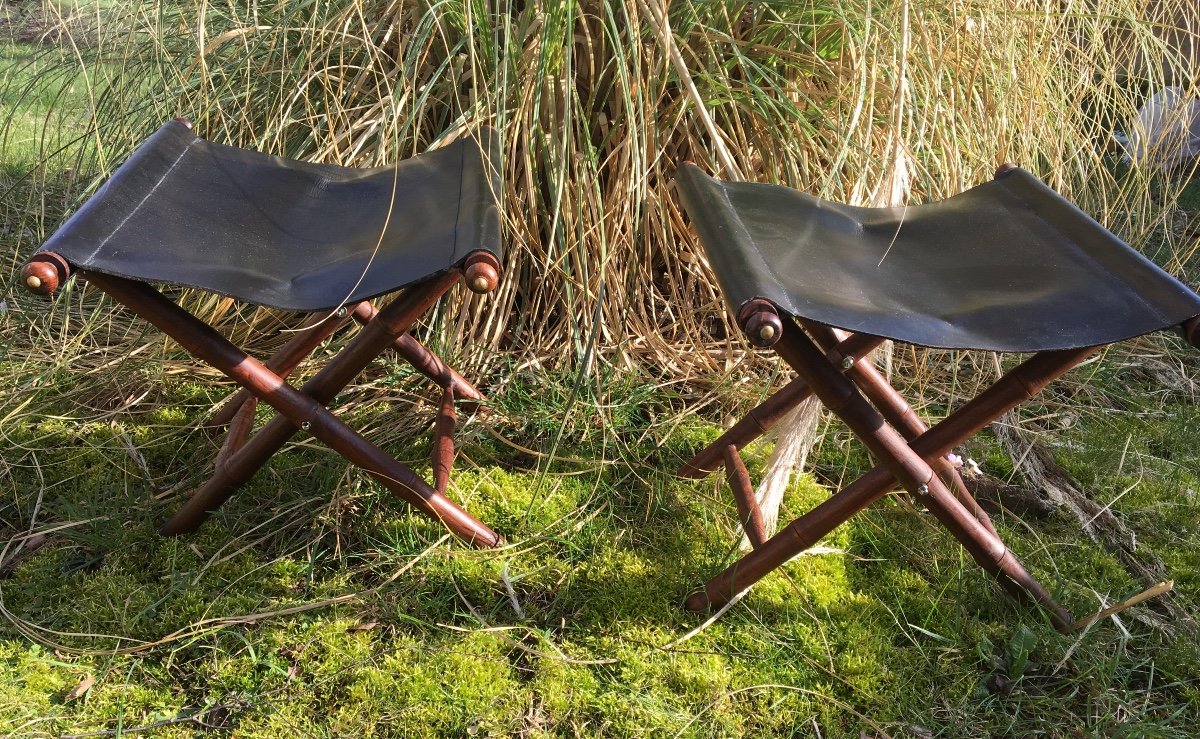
[922,489]
[847,363]
[306,425]
[341,312]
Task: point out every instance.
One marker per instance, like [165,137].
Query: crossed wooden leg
[238,411]
[305,409]
[907,452]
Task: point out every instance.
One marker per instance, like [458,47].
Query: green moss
[600,556]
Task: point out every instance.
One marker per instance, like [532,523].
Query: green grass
[411,635]
[45,103]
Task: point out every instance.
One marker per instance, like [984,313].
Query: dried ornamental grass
[593,115]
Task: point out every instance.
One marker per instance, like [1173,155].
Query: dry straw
[595,111]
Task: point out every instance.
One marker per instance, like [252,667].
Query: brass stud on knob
[44,273]
[482,272]
[762,326]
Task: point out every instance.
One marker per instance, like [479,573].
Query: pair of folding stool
[1007,266]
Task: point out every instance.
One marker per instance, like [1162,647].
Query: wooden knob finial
[1005,169]
[1191,331]
[760,320]
[482,272]
[43,273]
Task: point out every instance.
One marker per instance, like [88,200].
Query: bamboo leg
[443,441]
[236,470]
[767,414]
[305,408]
[800,534]
[1015,387]
[756,423]
[322,388]
[989,551]
[896,411]
[317,328]
[743,494]
[239,428]
[426,362]
[911,469]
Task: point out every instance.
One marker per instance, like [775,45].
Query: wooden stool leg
[1015,387]
[305,408]
[239,429]
[991,554]
[909,467]
[897,412]
[760,420]
[443,441]
[756,423]
[793,539]
[318,328]
[426,362]
[743,495]
[235,470]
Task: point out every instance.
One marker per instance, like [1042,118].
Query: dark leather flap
[281,233]
[1009,265]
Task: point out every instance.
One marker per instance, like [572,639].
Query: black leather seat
[1009,265]
[282,233]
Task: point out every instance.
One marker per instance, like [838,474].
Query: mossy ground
[572,627]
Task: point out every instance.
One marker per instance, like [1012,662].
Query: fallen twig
[1150,592]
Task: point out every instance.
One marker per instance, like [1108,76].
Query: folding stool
[303,237]
[1008,266]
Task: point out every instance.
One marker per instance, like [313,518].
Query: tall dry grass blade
[796,433]
[794,437]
